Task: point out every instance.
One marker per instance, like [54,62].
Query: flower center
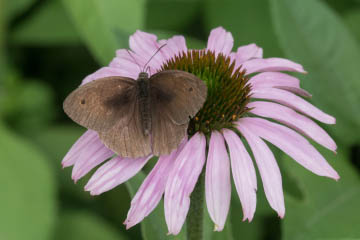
[228,91]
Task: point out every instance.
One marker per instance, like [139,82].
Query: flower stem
[194,219]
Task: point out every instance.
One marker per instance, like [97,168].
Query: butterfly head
[143,75]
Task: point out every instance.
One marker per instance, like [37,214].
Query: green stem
[194,221]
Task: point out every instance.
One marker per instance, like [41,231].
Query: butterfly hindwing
[126,138]
[100,104]
[180,94]
[166,135]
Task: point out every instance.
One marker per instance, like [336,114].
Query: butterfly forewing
[180,94]
[100,104]
[126,138]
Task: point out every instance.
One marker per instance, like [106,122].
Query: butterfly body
[135,118]
[144,96]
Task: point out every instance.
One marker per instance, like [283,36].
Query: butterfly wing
[126,137]
[166,135]
[175,96]
[99,104]
[180,94]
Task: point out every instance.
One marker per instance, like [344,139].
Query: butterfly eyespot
[82,101]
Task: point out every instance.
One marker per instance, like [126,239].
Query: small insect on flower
[125,111]
[249,99]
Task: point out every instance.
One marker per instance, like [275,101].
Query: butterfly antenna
[134,59]
[153,55]
[148,69]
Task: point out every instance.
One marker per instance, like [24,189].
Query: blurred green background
[48,46]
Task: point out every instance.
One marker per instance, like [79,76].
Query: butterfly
[135,118]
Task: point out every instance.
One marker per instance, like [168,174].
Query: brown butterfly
[137,117]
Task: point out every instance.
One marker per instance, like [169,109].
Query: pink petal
[273,79]
[278,80]
[233,57]
[292,144]
[181,182]
[113,173]
[129,62]
[298,91]
[174,46]
[293,101]
[73,154]
[243,172]
[151,190]
[145,45]
[217,181]
[293,119]
[105,72]
[268,168]
[244,53]
[92,155]
[271,65]
[220,41]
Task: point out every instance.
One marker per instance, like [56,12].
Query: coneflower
[241,106]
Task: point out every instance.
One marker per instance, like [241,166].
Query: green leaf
[104,26]
[76,225]
[352,20]
[56,142]
[2,44]
[15,8]
[38,29]
[19,104]
[28,202]
[311,34]
[248,21]
[330,209]
[171,15]
[343,5]
[153,227]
